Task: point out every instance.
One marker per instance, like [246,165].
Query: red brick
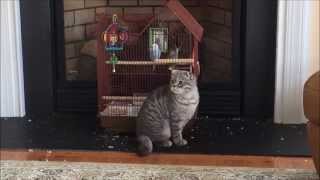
[69,18]
[75,33]
[227,4]
[219,32]
[228,18]
[152,2]
[69,51]
[214,3]
[215,68]
[73,4]
[228,51]
[165,14]
[85,16]
[78,46]
[108,11]
[216,15]
[218,47]
[72,68]
[123,2]
[138,10]
[190,2]
[91,31]
[215,46]
[95,3]
[198,13]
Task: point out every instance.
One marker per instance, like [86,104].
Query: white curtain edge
[282,109]
[12,82]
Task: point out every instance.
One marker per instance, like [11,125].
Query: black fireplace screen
[237,70]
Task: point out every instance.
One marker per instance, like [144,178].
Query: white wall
[11,72]
[297,57]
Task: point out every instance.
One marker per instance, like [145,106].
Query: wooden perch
[156,62]
[124,98]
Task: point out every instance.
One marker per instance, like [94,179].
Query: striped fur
[166,111]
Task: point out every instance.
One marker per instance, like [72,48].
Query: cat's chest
[184,111]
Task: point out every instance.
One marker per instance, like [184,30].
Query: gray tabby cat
[166,111]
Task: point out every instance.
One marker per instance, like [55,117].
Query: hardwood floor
[172,159]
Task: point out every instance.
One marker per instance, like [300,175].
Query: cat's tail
[145,145]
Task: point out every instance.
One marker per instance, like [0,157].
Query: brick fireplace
[237,54]
[80,19]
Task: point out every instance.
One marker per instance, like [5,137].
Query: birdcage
[128,71]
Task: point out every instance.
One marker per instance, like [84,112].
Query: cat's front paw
[166,143]
[181,142]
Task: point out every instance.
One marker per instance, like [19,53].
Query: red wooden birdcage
[126,77]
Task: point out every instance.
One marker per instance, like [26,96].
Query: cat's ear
[172,68]
[190,75]
[174,72]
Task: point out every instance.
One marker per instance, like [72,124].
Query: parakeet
[155,53]
[174,53]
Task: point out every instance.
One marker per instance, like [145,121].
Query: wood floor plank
[172,159]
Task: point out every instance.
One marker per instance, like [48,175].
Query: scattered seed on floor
[110,147]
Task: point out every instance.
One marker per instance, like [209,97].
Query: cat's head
[182,81]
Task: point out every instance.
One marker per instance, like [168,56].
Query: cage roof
[186,18]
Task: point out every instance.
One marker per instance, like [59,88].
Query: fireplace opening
[219,51]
